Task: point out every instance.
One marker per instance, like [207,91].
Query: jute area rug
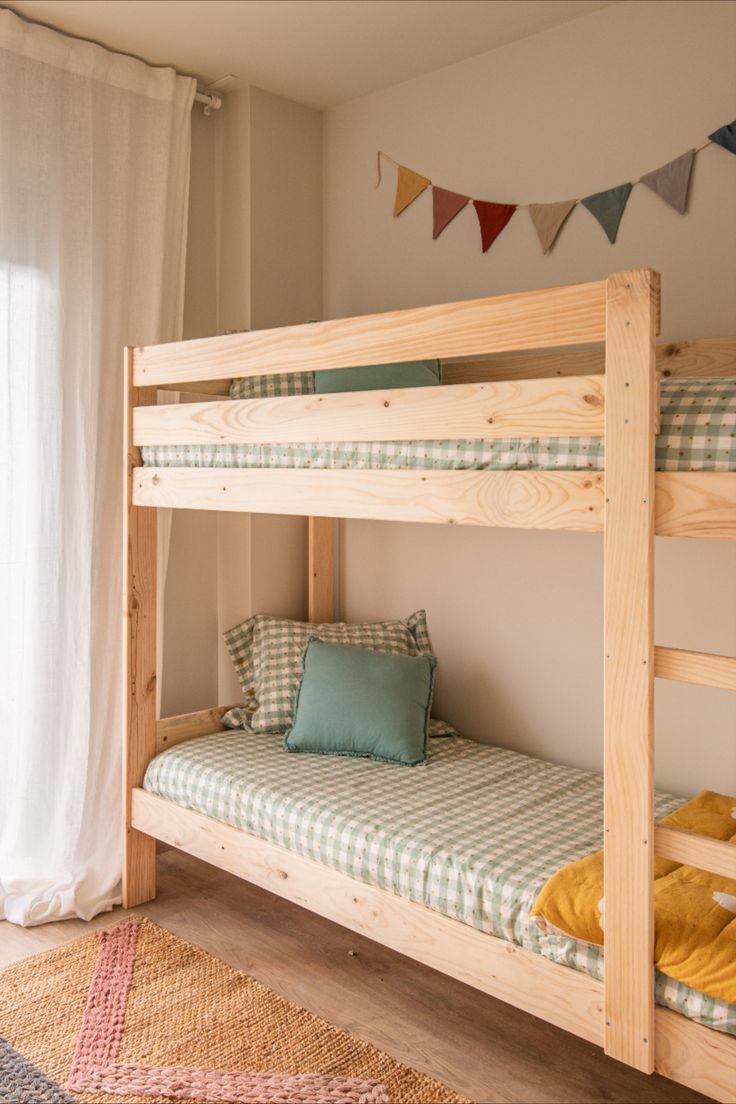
[136,1014]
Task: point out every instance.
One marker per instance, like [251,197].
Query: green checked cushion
[273,387]
[267,654]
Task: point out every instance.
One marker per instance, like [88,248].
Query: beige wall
[516,617]
[254,260]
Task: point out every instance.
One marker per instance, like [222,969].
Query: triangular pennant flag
[548,219]
[608,207]
[725,136]
[672,180]
[492,218]
[409,185]
[445,205]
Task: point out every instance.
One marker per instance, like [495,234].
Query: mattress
[473,834]
[697,433]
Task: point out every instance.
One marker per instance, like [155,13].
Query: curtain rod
[210,101]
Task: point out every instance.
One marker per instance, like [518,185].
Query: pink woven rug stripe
[94,1068]
[104,1016]
[223,1087]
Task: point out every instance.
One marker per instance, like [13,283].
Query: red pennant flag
[492,218]
[445,205]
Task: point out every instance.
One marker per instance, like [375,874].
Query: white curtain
[94,170]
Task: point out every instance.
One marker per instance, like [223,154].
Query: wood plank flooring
[488,1050]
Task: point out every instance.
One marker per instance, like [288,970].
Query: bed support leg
[631,417]
[321,581]
[139,657]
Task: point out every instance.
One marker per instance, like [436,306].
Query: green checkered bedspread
[474,833]
[697,433]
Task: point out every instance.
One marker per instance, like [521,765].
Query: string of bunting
[670,182]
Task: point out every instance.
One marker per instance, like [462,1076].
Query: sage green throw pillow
[353,701]
[379,377]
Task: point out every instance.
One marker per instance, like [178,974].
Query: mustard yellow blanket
[695,912]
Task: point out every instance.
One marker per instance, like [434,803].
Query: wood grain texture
[572,315]
[631,411]
[174,730]
[571,406]
[532,500]
[554,993]
[139,654]
[700,668]
[710,356]
[696,504]
[696,1056]
[693,849]
[321,570]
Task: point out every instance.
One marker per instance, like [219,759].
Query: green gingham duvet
[697,433]
[474,833]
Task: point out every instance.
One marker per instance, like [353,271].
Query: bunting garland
[671,182]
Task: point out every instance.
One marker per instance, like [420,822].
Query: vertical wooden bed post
[139,655]
[631,419]
[321,583]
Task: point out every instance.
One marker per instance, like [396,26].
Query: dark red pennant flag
[492,218]
[445,205]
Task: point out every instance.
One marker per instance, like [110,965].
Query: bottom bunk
[442,862]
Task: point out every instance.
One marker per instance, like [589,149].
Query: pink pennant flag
[445,205]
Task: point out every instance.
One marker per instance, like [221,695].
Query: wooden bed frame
[520,389]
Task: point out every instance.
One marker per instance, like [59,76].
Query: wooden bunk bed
[519,389]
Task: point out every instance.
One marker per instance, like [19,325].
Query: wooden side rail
[573,315]
[700,359]
[174,730]
[700,668]
[568,407]
[694,849]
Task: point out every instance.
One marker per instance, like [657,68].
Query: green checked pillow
[362,703]
[267,653]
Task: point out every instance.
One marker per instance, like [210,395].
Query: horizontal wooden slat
[688,504]
[700,668]
[710,356]
[696,1056]
[530,500]
[174,730]
[693,849]
[571,406]
[573,315]
[569,999]
[696,504]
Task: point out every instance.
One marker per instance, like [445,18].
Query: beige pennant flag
[548,219]
[409,185]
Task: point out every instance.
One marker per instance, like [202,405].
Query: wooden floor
[479,1046]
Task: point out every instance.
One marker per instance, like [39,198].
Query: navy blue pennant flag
[725,136]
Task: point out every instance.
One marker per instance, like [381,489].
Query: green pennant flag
[608,207]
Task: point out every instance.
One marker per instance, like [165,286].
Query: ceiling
[318,52]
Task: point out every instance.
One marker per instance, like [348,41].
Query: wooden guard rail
[573,315]
[700,668]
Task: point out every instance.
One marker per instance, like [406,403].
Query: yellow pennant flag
[409,185]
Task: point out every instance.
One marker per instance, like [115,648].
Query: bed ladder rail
[699,668]
[678,844]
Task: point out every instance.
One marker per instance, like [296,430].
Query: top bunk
[569,364]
